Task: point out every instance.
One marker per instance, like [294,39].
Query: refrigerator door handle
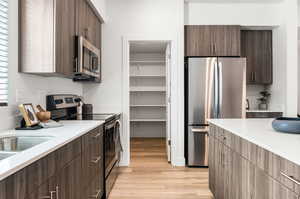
[220,79]
[200,130]
[216,90]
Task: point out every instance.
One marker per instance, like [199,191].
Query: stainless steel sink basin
[4,155]
[21,143]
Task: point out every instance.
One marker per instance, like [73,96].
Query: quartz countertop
[61,136]
[261,133]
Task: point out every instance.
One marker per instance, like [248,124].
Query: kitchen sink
[4,155]
[21,143]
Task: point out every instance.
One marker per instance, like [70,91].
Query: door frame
[176,129]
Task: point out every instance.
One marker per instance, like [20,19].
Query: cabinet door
[68,180]
[211,163]
[279,191]
[46,190]
[98,33]
[263,185]
[220,167]
[65,36]
[82,18]
[227,41]
[257,48]
[228,173]
[198,41]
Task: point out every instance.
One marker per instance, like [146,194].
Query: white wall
[246,14]
[144,18]
[27,88]
[283,18]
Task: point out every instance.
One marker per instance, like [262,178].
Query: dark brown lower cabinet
[233,173]
[62,174]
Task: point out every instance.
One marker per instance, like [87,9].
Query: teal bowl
[287,125]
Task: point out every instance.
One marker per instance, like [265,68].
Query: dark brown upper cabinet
[207,41]
[257,47]
[47,34]
[88,23]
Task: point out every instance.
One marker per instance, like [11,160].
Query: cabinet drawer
[93,138]
[68,153]
[94,190]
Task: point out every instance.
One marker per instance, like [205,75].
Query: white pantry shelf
[147,62]
[147,120]
[148,89]
[148,105]
[148,76]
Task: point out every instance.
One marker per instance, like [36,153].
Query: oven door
[110,152]
[88,58]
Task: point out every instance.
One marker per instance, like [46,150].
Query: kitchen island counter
[261,133]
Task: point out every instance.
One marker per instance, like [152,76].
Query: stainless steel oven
[112,152]
[88,64]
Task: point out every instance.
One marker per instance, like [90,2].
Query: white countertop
[62,135]
[261,133]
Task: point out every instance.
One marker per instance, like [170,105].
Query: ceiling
[234,1]
[148,47]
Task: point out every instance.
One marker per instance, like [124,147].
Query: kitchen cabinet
[88,24]
[209,41]
[48,31]
[62,173]
[238,174]
[256,46]
[65,36]
[47,37]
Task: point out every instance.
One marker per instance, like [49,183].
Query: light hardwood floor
[150,176]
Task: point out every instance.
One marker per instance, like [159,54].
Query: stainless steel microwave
[88,64]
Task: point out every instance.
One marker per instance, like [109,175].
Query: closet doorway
[149,94]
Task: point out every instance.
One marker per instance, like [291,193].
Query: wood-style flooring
[151,176]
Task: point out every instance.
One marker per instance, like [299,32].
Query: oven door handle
[110,126]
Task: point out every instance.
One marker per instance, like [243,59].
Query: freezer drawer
[198,146]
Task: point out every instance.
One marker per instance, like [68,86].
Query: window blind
[3,52]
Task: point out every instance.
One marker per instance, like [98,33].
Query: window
[3,52]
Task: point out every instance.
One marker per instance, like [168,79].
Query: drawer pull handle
[97,135]
[97,160]
[291,178]
[97,194]
[52,194]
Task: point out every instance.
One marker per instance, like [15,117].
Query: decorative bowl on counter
[287,125]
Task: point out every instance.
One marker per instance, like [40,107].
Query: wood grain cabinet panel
[257,48]
[206,41]
[198,41]
[211,163]
[65,36]
[227,41]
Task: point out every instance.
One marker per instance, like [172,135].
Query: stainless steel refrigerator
[214,88]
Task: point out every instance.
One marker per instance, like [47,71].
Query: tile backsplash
[253,95]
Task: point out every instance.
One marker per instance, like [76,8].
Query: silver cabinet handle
[57,192]
[97,194]
[97,135]
[52,193]
[97,160]
[291,178]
